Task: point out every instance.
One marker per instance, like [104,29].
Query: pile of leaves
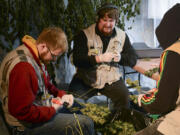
[107,124]
[150,72]
[103,122]
[133,84]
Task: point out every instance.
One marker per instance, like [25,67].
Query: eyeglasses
[52,55]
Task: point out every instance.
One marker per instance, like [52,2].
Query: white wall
[151,13]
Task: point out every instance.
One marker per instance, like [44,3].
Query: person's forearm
[165,97]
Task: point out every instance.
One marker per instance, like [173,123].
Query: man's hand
[106,57]
[68,98]
[139,99]
[56,103]
[152,91]
[117,57]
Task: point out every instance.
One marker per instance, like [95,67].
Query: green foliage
[30,17]
[134,84]
[150,72]
[128,9]
[20,17]
[100,116]
[134,98]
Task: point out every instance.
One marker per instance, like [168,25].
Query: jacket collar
[31,43]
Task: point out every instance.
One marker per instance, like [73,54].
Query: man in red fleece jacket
[30,102]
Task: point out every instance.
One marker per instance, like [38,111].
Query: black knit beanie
[168,30]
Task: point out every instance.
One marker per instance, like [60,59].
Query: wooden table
[144,65]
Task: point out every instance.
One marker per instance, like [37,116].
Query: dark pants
[66,122]
[117,91]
